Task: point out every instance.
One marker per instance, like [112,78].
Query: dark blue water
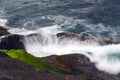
[97,17]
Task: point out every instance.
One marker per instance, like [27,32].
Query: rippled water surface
[98,17]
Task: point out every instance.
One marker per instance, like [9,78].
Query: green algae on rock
[39,63]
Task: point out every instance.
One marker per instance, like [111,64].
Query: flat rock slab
[12,69]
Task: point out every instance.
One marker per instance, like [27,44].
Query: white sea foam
[64,23]
[71,23]
[38,30]
[106,58]
[3,22]
[49,29]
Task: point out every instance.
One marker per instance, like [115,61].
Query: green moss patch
[40,63]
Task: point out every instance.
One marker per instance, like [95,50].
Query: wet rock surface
[85,36]
[76,67]
[12,42]
[76,64]
[12,69]
[81,37]
[3,31]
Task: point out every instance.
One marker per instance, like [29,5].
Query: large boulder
[76,64]
[16,41]
[77,67]
[85,36]
[12,42]
[81,37]
[106,41]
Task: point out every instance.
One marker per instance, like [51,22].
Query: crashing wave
[46,42]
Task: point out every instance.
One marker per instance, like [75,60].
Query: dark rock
[78,67]
[76,64]
[3,54]
[106,41]
[68,35]
[73,63]
[65,36]
[12,42]
[4,78]
[85,36]
[3,31]
[12,69]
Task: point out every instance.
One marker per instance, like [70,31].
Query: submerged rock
[12,41]
[81,37]
[85,36]
[106,41]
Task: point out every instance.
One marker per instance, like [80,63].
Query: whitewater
[44,42]
[39,21]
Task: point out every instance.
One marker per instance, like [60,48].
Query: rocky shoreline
[82,69]
[75,66]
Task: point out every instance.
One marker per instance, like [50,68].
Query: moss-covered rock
[15,68]
[39,63]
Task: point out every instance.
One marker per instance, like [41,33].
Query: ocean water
[100,18]
[97,17]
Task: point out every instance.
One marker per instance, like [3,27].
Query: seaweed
[39,63]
